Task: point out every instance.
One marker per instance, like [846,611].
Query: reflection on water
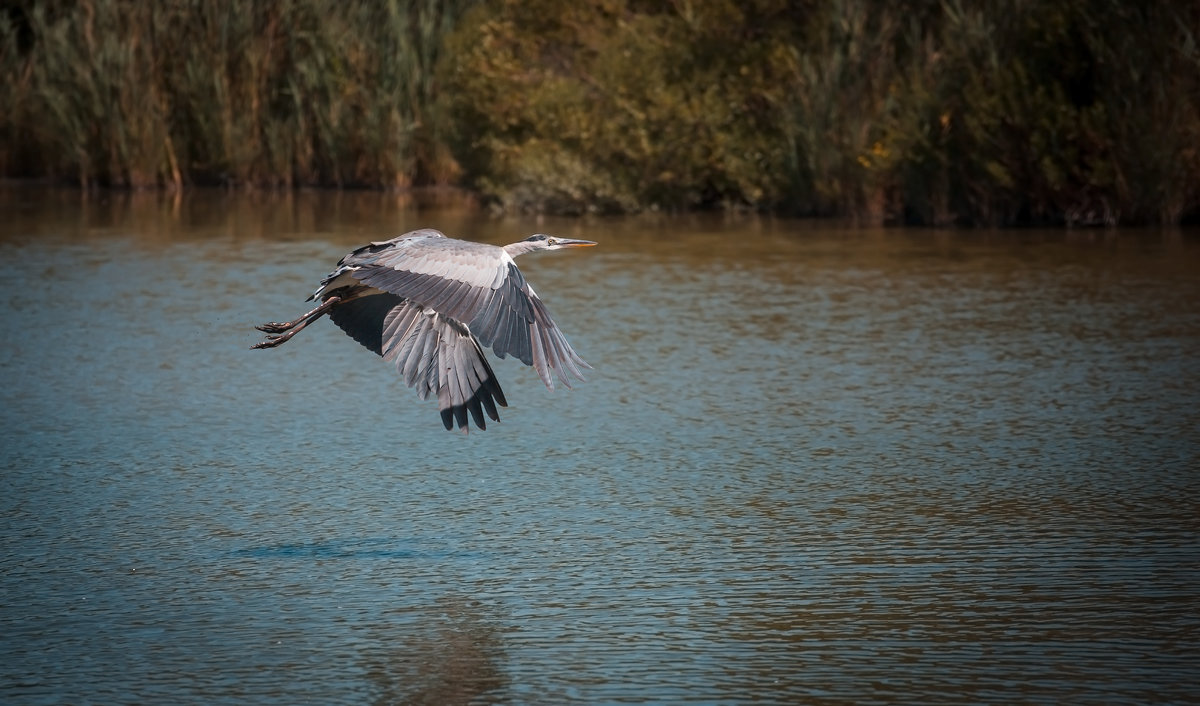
[453,657]
[812,464]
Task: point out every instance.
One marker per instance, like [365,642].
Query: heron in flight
[431,304]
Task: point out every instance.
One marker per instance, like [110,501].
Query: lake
[812,464]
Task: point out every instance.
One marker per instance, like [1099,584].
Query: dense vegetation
[927,111]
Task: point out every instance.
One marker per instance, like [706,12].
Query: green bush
[598,105]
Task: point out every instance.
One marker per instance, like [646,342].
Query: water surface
[812,464]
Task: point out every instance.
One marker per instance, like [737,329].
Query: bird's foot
[271,342]
[275,326]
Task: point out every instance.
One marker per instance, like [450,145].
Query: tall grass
[1076,112]
[995,112]
[139,94]
[925,111]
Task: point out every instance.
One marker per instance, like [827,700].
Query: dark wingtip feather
[490,407]
[482,402]
[476,408]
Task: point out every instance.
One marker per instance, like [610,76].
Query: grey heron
[430,304]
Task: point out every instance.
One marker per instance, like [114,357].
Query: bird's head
[550,242]
[541,241]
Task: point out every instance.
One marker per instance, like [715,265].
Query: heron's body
[431,304]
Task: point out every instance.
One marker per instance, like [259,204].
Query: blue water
[811,464]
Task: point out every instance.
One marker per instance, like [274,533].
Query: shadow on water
[369,548]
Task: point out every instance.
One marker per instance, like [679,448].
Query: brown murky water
[812,464]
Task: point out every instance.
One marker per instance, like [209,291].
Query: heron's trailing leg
[280,333]
[277,327]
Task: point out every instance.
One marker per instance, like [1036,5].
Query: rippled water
[812,464]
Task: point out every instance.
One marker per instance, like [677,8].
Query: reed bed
[239,92]
[924,111]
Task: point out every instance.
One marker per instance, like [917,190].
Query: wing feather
[552,353]
[427,365]
[487,322]
[538,358]
[397,326]
[508,339]
[439,356]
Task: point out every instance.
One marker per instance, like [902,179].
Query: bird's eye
[551,241]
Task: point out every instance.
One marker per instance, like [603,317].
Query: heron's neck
[522,247]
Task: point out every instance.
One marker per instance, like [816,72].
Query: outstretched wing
[476,285]
[433,353]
